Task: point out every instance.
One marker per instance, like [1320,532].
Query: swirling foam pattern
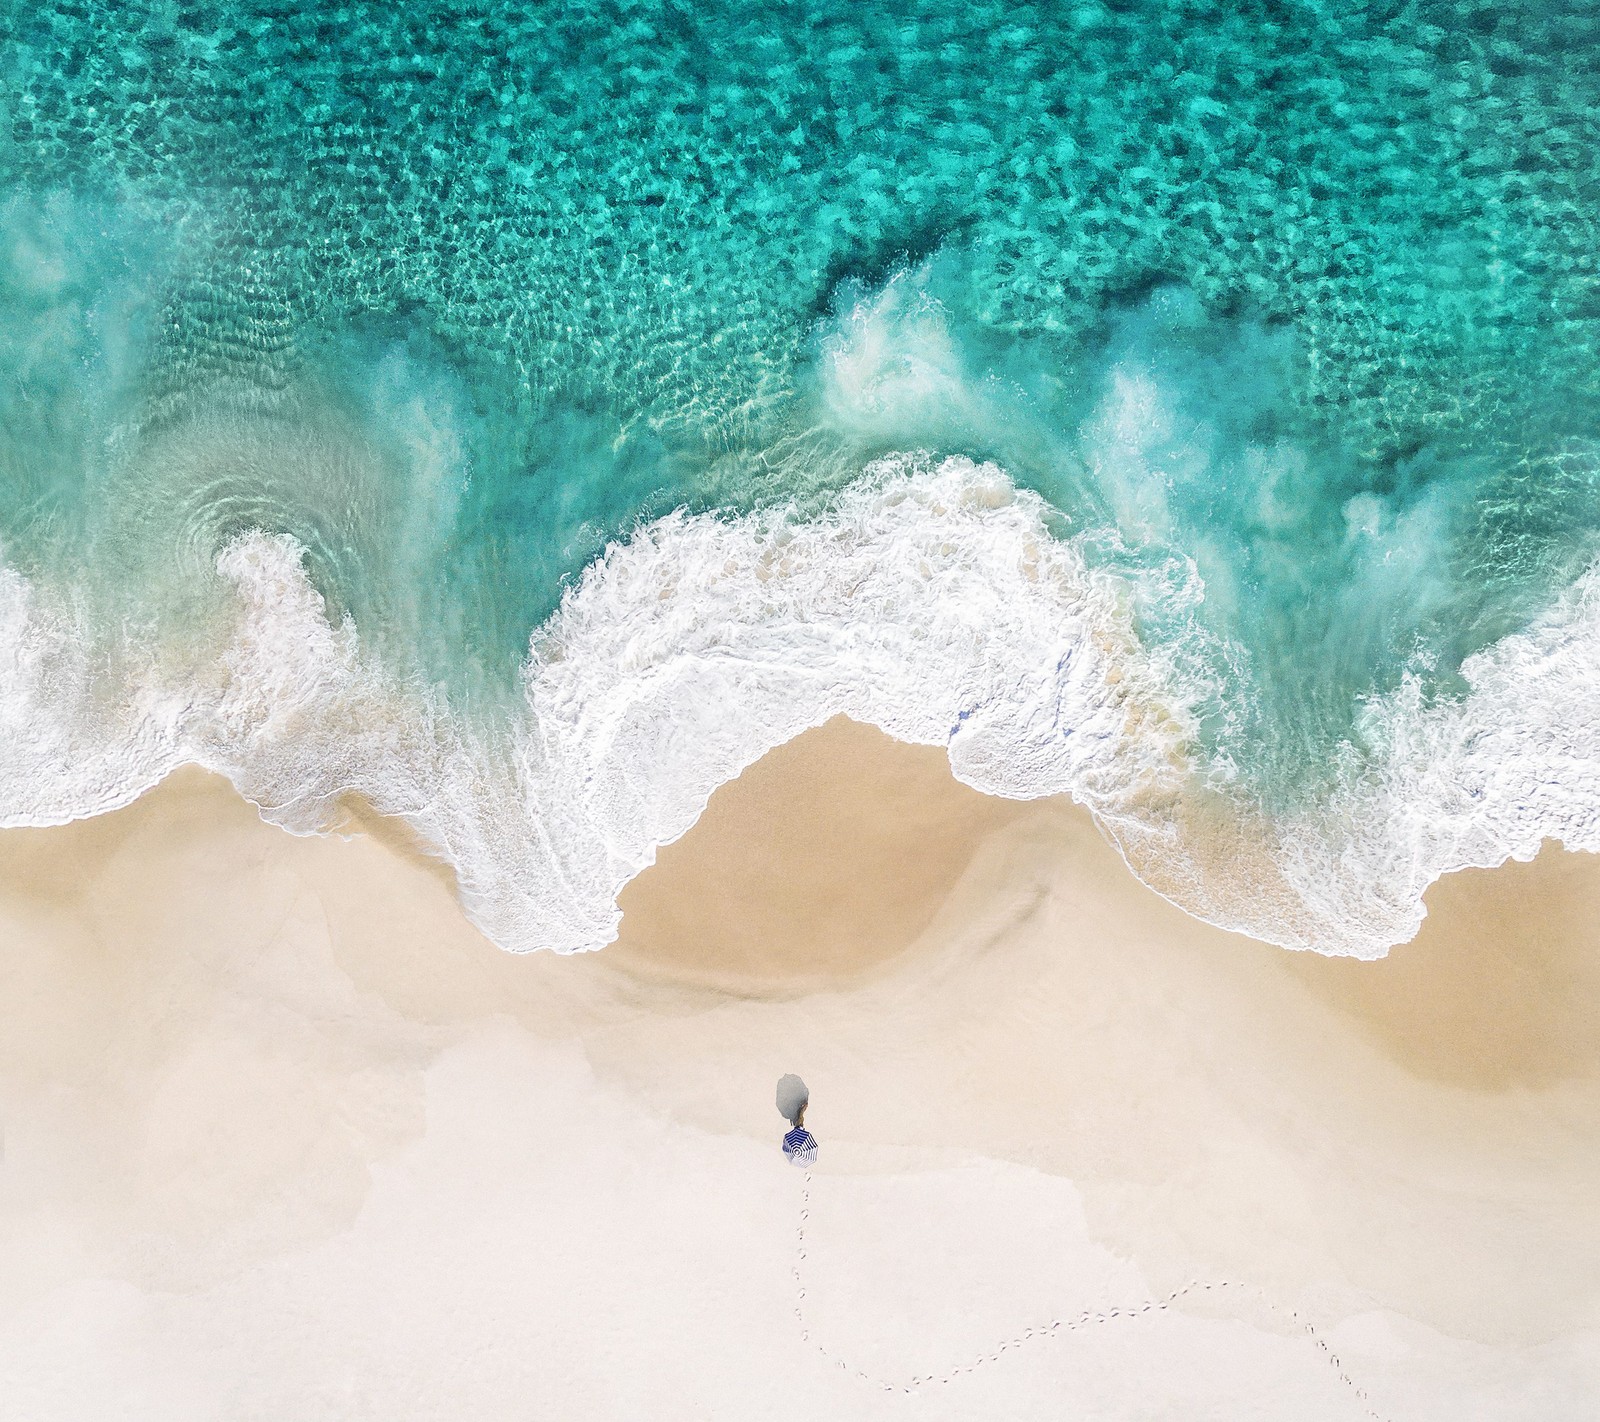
[525,415]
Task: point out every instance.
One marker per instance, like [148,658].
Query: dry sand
[284,1137]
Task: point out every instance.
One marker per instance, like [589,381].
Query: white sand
[284,1138]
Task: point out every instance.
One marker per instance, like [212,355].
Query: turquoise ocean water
[1191,407]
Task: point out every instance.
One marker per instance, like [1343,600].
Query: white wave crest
[1466,783]
[930,601]
[70,747]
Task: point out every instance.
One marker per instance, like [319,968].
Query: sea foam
[929,600]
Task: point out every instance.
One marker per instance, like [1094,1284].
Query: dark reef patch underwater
[524,416]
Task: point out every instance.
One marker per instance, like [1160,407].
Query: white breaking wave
[930,601]
[1460,784]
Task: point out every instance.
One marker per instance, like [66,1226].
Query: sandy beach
[285,1137]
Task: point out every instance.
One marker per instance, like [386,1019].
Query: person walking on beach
[799,1144]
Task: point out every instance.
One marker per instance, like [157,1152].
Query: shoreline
[247,1075]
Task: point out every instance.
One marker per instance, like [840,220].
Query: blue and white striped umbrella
[800,1146]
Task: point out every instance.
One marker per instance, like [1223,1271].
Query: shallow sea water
[1217,384]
